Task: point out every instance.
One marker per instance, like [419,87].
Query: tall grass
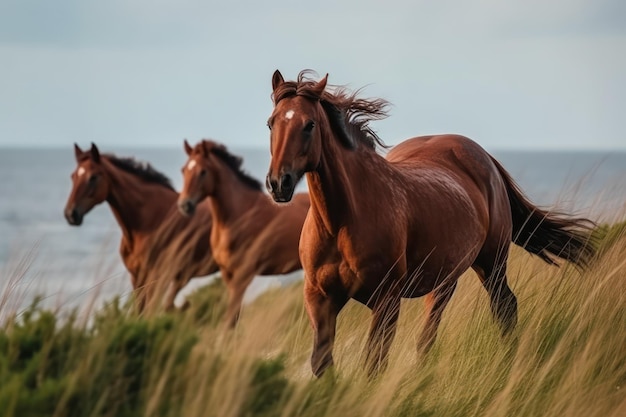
[567,357]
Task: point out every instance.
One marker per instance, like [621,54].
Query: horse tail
[549,235]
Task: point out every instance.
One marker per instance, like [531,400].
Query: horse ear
[204,151]
[78,153]
[187,147]
[320,85]
[95,153]
[277,79]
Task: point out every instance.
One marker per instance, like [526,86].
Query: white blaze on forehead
[289,114]
[80,171]
[191,164]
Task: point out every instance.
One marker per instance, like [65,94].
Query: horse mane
[347,113]
[232,161]
[143,170]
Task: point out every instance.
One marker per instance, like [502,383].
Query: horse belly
[418,283]
[445,246]
[447,261]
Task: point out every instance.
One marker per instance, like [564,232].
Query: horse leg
[322,311]
[503,301]
[174,288]
[139,293]
[170,296]
[436,302]
[236,289]
[382,331]
[141,299]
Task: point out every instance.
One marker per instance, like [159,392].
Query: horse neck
[138,206]
[231,197]
[343,183]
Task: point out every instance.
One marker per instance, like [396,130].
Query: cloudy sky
[547,74]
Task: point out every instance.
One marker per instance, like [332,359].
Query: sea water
[41,254]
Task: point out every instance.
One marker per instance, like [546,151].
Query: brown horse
[159,246]
[251,234]
[402,226]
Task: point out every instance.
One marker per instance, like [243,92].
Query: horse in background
[407,225]
[159,246]
[251,235]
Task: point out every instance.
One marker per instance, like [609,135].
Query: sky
[532,74]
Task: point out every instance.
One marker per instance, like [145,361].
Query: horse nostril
[73,216]
[186,207]
[271,184]
[286,182]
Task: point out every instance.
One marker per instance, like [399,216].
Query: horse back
[465,160]
[460,202]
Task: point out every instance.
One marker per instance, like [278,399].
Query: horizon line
[257,147]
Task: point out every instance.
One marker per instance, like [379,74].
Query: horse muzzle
[281,189]
[73,216]
[187,206]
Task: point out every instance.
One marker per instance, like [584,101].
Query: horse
[401,226]
[251,235]
[158,246]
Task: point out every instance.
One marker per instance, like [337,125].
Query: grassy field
[567,356]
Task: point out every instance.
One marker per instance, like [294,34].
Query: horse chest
[129,256]
[222,255]
[228,247]
[332,263]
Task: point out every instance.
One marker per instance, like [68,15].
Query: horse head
[296,127]
[90,185]
[197,183]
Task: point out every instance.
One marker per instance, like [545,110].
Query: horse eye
[308,128]
[93,178]
[203,172]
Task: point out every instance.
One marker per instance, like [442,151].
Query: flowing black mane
[143,170]
[232,161]
[348,114]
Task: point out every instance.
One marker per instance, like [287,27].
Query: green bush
[566,357]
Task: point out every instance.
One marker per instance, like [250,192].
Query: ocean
[40,254]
